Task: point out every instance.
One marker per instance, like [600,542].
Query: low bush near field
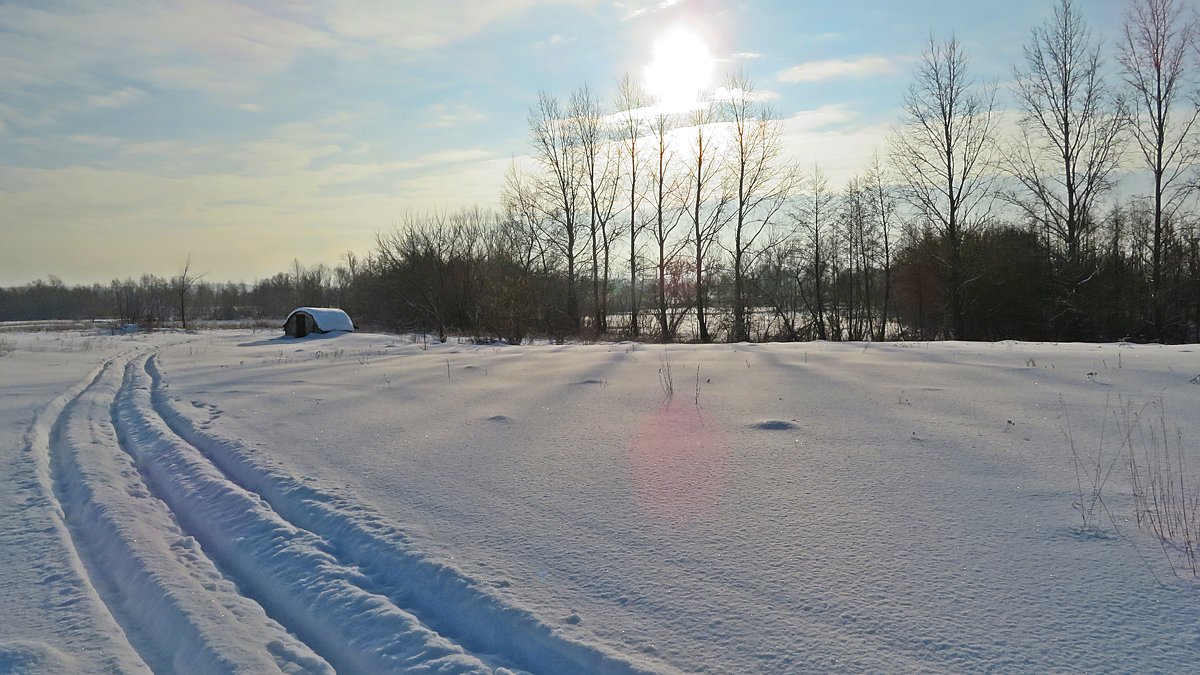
[1166,489]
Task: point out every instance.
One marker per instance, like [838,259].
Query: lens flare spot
[678,458]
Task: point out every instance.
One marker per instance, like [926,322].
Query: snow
[366,503]
[328,319]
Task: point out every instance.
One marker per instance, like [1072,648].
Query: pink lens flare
[678,460]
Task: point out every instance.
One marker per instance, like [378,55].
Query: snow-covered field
[226,501]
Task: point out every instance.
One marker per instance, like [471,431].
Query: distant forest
[639,223]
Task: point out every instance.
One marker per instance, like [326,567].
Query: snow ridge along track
[121,655]
[336,575]
[292,572]
[174,607]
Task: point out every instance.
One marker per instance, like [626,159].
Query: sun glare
[682,67]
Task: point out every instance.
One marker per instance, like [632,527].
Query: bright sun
[682,67]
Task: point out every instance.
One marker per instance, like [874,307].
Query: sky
[246,135]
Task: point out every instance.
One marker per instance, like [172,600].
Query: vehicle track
[437,597]
[209,561]
[291,571]
[176,610]
[121,655]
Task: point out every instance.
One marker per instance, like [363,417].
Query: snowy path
[209,563]
[43,435]
[175,608]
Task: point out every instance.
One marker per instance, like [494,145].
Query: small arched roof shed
[305,320]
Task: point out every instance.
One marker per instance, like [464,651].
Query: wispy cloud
[446,157]
[420,26]
[838,69]
[95,141]
[822,118]
[188,45]
[632,10]
[837,137]
[447,115]
[553,40]
[727,94]
[119,98]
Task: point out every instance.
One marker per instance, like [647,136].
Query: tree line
[153,300]
[632,220]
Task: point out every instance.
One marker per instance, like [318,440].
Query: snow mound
[773,425]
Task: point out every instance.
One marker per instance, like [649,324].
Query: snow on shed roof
[327,318]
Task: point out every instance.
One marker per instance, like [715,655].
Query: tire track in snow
[122,656]
[291,571]
[436,595]
[173,606]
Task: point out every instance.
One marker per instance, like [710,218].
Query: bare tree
[599,180]
[707,202]
[857,222]
[941,154]
[523,216]
[759,182]
[631,101]
[346,275]
[778,280]
[1158,41]
[813,219]
[1070,143]
[557,150]
[183,286]
[665,216]
[883,207]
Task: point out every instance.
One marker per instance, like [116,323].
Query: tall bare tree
[1071,131]
[814,219]
[882,198]
[1159,40]
[759,180]
[183,286]
[941,154]
[523,222]
[665,217]
[631,103]
[707,202]
[557,151]
[599,179]
[858,225]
